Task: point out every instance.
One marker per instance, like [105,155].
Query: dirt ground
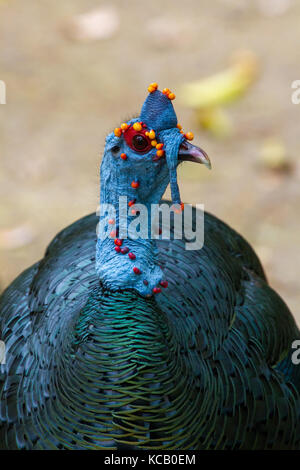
[64,93]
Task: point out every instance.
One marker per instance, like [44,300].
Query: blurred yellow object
[216,121]
[208,95]
[274,156]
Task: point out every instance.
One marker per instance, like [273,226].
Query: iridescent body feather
[88,368]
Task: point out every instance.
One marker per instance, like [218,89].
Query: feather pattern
[204,365]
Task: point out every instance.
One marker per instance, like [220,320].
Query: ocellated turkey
[116,343]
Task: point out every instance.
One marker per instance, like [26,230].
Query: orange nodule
[160,153]
[154,143]
[159,146]
[171,96]
[118,132]
[189,136]
[124,126]
[111,221]
[152,87]
[151,134]
[166,91]
[179,127]
[135,184]
[137,126]
[123,156]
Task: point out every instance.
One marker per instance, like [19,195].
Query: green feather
[204,365]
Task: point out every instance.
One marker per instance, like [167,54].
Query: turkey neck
[137,266]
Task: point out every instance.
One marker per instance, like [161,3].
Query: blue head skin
[152,175]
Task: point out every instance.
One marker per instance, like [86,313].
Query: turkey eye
[116,149]
[137,139]
[139,142]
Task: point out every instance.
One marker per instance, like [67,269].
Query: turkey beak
[192,153]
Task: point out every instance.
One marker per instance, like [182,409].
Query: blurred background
[76,69]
